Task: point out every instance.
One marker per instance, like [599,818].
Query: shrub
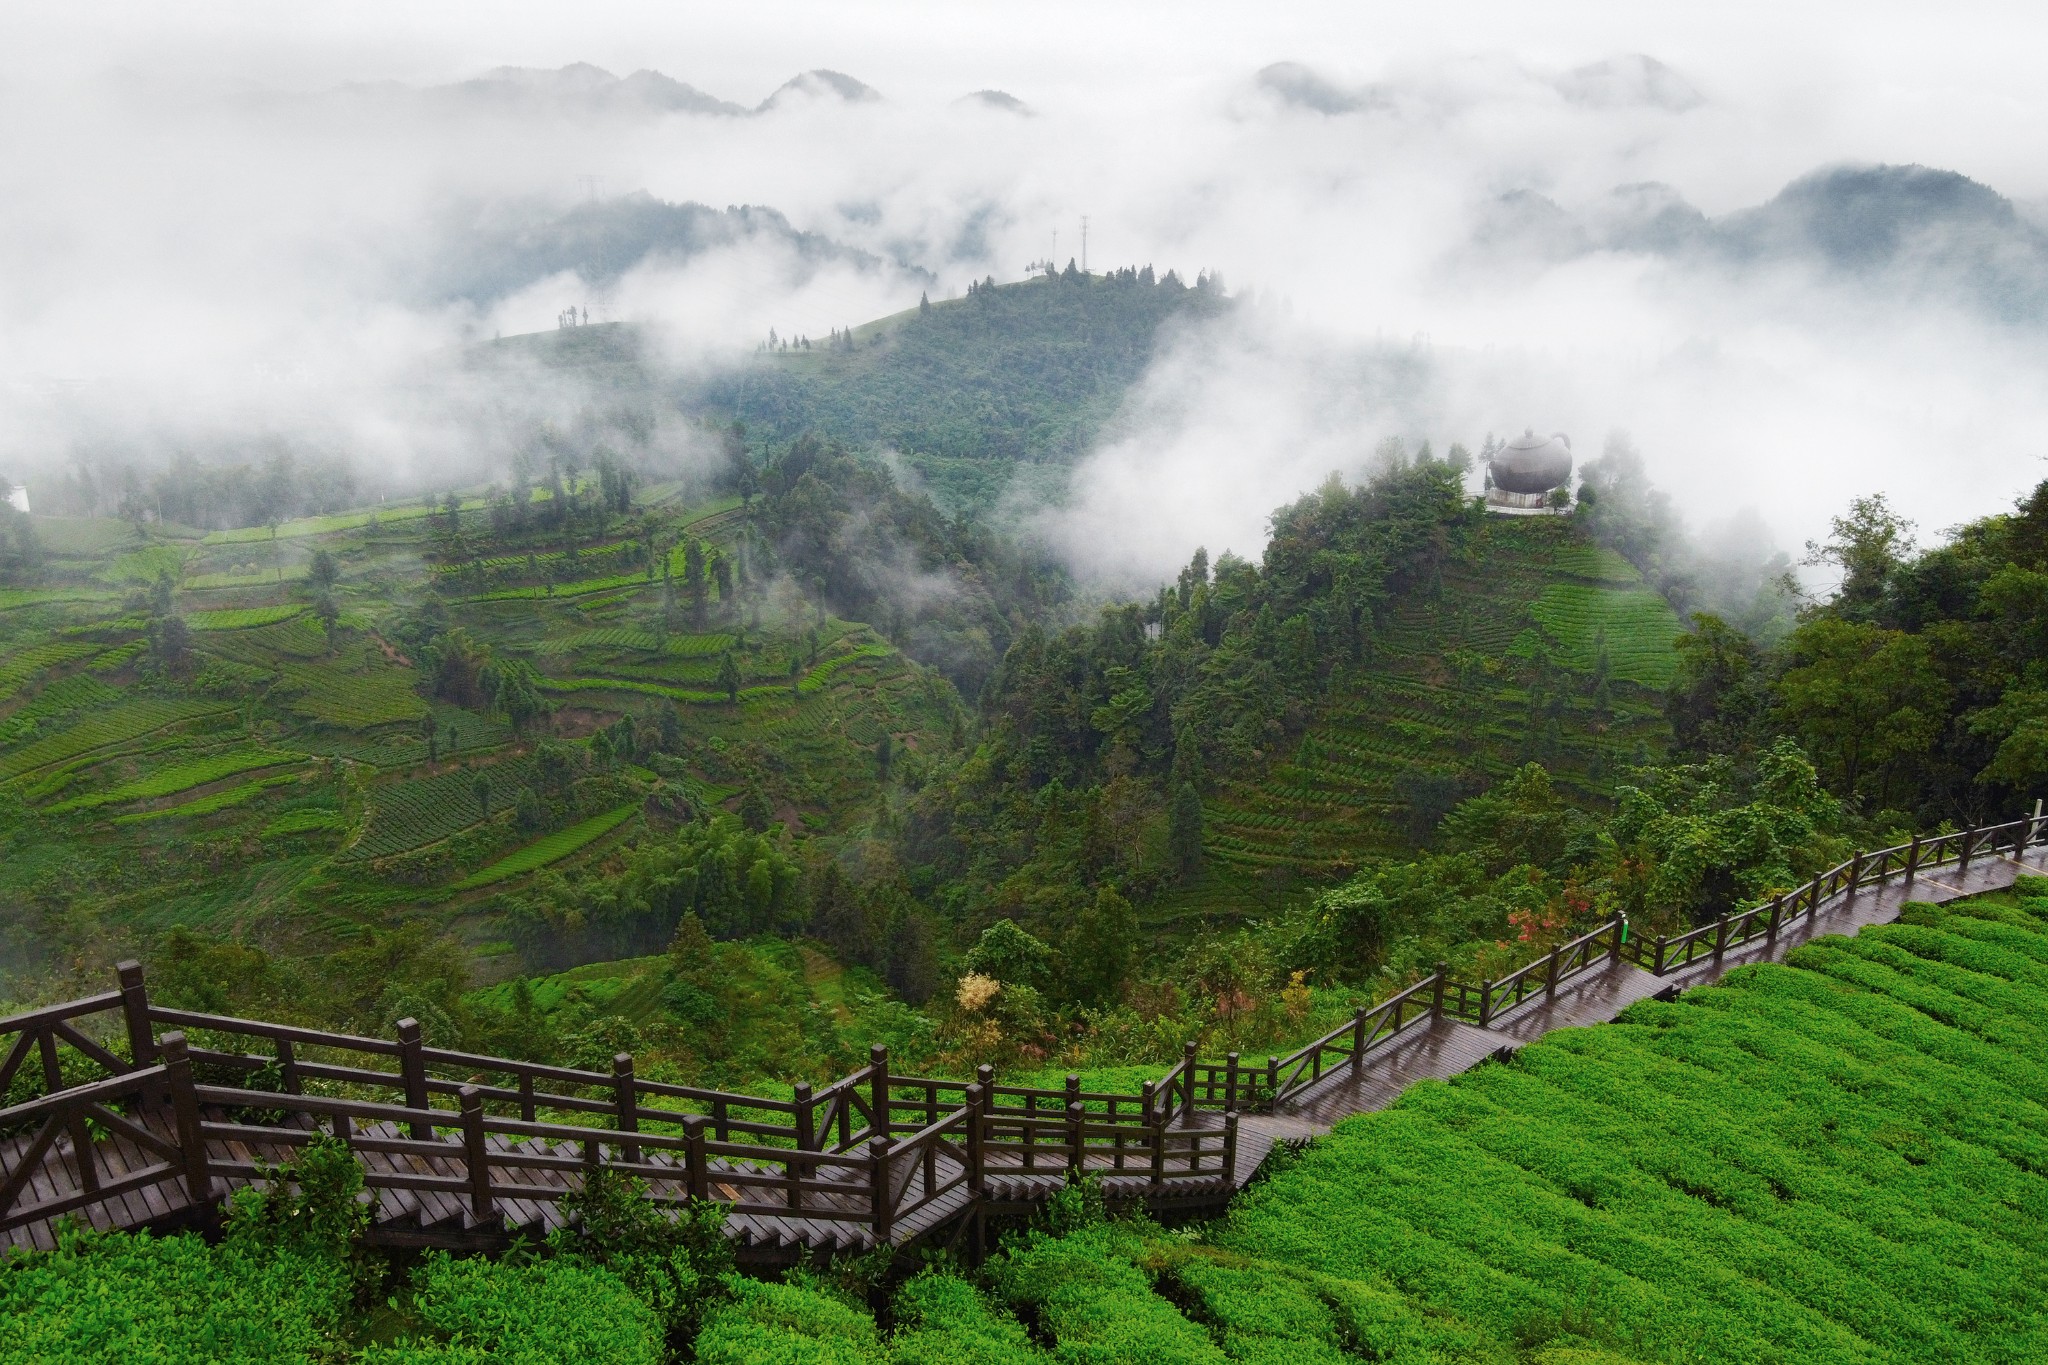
[943,1320]
[785,1324]
[142,1300]
[526,1313]
[1096,1303]
[673,1258]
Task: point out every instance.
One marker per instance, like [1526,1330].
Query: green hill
[1499,667]
[275,767]
[966,390]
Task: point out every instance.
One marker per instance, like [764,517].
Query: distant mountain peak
[1304,87]
[1001,100]
[822,84]
[582,87]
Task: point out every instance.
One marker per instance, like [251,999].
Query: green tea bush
[941,1319]
[785,1324]
[1090,1296]
[538,1312]
[118,1299]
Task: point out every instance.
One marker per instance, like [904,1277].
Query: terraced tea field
[281,768]
[1444,705]
[416,812]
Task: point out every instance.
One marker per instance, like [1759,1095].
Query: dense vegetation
[743,764]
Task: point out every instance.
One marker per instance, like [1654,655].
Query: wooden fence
[196,1093]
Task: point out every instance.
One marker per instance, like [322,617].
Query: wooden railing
[1768,920]
[1348,1043]
[872,1148]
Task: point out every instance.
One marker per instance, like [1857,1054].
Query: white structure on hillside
[17,497]
[1525,473]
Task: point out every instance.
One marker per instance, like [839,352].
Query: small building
[17,497]
[1524,473]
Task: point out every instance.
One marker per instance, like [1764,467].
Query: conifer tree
[1184,831]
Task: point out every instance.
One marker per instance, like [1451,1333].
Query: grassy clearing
[552,849]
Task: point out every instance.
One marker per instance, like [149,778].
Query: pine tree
[729,677]
[1184,831]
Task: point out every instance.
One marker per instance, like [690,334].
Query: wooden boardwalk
[200,1105]
[1596,996]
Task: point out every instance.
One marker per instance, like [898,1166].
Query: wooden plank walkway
[1597,996]
[914,1158]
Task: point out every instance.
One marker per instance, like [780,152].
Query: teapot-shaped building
[1524,472]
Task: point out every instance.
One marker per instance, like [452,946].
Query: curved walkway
[201,1104]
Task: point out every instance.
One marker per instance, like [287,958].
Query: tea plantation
[298,728]
[1839,1159]
[1539,646]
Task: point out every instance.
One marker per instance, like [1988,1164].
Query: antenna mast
[1084,244]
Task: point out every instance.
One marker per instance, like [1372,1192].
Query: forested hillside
[965,390]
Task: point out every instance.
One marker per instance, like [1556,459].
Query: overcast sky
[182,251]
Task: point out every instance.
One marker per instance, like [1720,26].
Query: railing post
[1855,876]
[878,1088]
[1777,913]
[1155,1135]
[1657,963]
[1187,1080]
[1720,937]
[185,1109]
[1963,852]
[1148,1102]
[1077,1151]
[1230,1082]
[412,1066]
[1912,857]
[288,1067]
[1357,1040]
[1485,1003]
[1550,974]
[1230,1147]
[625,1104]
[806,1141]
[1620,940]
[135,1010]
[696,1169]
[878,1186]
[476,1155]
[977,1178]
[1273,1077]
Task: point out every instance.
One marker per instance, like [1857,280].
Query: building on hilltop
[1526,475]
